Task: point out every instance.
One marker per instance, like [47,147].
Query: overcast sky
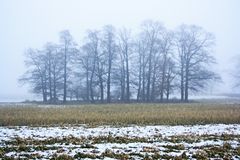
[31,23]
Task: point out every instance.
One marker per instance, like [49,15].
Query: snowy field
[217,141]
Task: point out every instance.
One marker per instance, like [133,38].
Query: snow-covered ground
[7,133]
[134,142]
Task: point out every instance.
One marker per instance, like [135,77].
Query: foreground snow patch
[7,133]
[132,142]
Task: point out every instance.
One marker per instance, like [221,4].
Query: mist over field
[31,24]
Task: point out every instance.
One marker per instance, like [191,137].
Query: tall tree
[170,76]
[194,55]
[125,47]
[166,47]
[53,71]
[141,48]
[67,49]
[109,49]
[151,33]
[36,74]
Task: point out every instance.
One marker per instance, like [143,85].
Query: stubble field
[120,131]
[120,114]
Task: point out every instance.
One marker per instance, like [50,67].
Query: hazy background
[31,23]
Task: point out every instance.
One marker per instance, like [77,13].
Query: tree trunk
[128,82]
[108,86]
[50,77]
[54,86]
[163,78]
[143,82]
[149,77]
[168,85]
[122,79]
[43,91]
[102,90]
[186,82]
[87,82]
[153,84]
[109,77]
[139,78]
[167,90]
[100,74]
[182,82]
[65,76]
[91,79]
[91,88]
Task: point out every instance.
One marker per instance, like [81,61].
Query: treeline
[115,64]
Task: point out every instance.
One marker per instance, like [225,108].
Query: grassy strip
[121,114]
[26,148]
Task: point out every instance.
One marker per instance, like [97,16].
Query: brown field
[120,114]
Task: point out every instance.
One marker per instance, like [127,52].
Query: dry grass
[120,114]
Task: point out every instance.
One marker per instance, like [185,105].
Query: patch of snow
[157,138]
[7,133]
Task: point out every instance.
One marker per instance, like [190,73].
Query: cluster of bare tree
[115,65]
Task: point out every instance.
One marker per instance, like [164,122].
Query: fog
[28,23]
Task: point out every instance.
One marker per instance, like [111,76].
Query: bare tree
[194,55]
[89,62]
[83,60]
[109,49]
[67,46]
[54,70]
[44,72]
[141,49]
[125,48]
[166,47]
[100,73]
[151,34]
[170,76]
[36,74]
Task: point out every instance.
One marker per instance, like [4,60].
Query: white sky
[31,23]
